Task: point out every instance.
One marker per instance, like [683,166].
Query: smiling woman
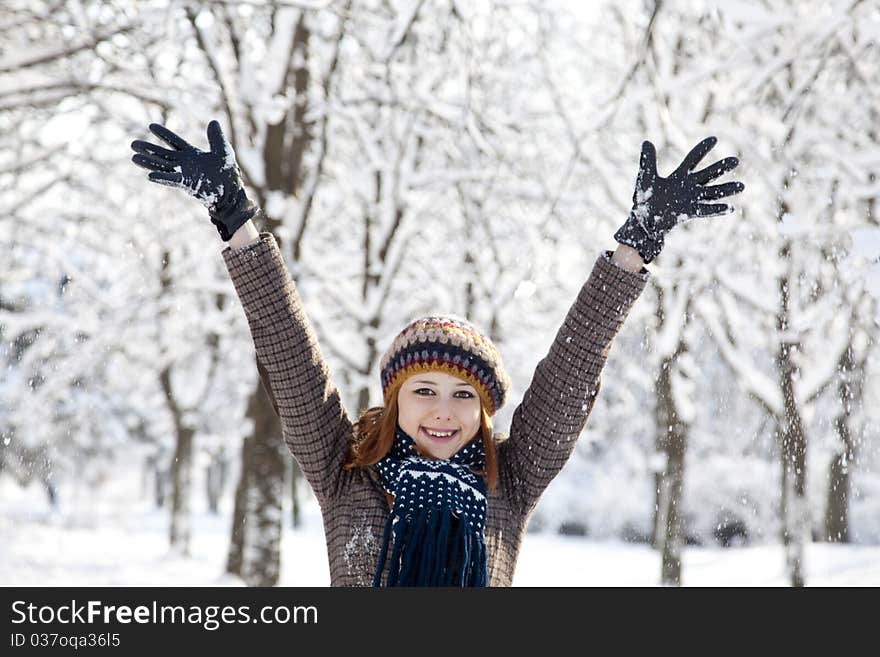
[419,491]
[433,449]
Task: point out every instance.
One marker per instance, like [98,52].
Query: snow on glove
[661,203]
[210,176]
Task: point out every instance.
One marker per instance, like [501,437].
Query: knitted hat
[447,344]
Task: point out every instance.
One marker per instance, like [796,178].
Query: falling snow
[478,166]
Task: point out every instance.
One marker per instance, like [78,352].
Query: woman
[419,491]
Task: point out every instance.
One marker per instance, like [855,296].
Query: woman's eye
[461,394]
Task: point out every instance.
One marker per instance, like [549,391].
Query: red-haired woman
[420,491]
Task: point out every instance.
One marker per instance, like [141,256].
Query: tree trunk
[661,489]
[295,476]
[181,490]
[149,479]
[215,479]
[795,511]
[671,440]
[181,470]
[235,557]
[255,548]
[160,479]
[661,494]
[837,502]
[837,505]
[181,466]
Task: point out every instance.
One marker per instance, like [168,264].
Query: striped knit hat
[447,344]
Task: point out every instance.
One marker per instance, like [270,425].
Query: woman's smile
[440,435]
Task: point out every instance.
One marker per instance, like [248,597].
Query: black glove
[212,177]
[661,203]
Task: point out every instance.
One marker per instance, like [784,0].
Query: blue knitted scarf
[436,525]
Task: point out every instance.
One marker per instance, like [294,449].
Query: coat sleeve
[563,389]
[313,420]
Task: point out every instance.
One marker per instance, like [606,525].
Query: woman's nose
[443,409]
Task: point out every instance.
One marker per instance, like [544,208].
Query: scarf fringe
[421,554]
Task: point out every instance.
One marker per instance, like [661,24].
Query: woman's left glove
[661,203]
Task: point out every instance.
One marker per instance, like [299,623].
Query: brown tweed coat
[317,430]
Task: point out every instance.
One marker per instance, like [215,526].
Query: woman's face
[433,403]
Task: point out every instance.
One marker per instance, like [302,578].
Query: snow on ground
[129,548]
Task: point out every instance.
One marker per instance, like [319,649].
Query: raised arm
[314,422]
[315,425]
[563,390]
[564,386]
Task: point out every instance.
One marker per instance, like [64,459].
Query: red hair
[376,427]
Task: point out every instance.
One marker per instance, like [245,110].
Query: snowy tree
[421,156]
[685,67]
[802,59]
[112,339]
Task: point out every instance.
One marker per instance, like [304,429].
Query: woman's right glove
[211,176]
[660,203]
